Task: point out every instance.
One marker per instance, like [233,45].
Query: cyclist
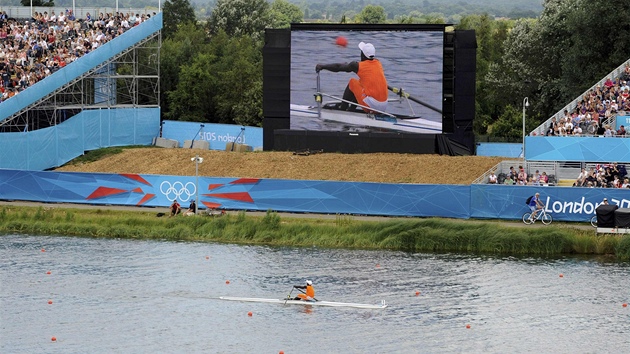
[535,205]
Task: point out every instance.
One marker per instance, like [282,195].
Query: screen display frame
[401,45]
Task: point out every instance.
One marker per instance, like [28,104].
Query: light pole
[525,105]
[197,160]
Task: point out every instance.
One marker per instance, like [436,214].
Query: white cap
[367,49]
[308,282]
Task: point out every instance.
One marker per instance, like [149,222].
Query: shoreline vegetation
[407,235]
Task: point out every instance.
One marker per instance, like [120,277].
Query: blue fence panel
[593,149]
[236,193]
[14,150]
[564,203]
[91,129]
[325,197]
[510,150]
[218,135]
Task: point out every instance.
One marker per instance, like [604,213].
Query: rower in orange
[370,90]
[309,294]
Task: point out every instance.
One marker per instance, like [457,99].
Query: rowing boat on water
[303,302]
[362,119]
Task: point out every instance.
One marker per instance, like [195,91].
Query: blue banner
[217,135]
[322,197]
[589,149]
[564,203]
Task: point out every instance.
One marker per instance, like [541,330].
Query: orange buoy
[49,302]
[625,305]
[417,293]
[48,272]
[378,265]
[341,41]
[207,257]
[281,352]
[43,250]
[250,314]
[227,282]
[54,339]
[561,275]
[467,326]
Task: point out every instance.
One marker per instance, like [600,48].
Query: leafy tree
[193,100]
[223,84]
[490,35]
[285,13]
[510,123]
[176,12]
[556,57]
[178,51]
[371,14]
[238,70]
[240,17]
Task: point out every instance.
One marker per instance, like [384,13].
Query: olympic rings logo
[178,190]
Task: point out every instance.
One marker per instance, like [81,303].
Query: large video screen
[412,62]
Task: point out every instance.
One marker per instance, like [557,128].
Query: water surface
[146,296]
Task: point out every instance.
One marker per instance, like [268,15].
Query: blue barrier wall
[327,197]
[89,130]
[622,119]
[591,149]
[510,150]
[218,135]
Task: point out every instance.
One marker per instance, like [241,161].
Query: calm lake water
[146,297]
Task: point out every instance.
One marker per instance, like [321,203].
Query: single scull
[358,118]
[303,302]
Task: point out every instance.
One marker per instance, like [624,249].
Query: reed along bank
[408,235]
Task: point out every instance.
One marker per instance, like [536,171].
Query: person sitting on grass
[175,208]
[192,209]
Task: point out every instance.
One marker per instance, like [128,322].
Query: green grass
[410,235]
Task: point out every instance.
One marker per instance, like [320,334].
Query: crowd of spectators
[595,108]
[610,175]
[520,178]
[33,49]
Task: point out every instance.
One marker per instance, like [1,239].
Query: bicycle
[542,215]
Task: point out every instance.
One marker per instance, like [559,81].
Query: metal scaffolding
[129,80]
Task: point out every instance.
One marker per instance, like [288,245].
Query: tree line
[212,71]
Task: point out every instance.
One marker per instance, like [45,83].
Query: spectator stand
[51,102]
[559,173]
[620,73]
[503,168]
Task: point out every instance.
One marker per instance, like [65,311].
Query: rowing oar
[288,296]
[300,290]
[401,93]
